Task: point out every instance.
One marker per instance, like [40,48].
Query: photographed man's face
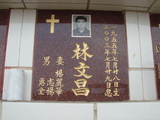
[81,24]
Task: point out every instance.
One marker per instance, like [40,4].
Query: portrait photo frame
[81,25]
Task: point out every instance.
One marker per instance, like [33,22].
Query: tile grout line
[142,78]
[95,111]
[150,7]
[20,39]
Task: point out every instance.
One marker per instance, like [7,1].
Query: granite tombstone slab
[88,65]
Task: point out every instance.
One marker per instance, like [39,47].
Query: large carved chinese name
[80,56]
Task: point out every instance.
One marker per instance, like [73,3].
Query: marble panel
[69,67]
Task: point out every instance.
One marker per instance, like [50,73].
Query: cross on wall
[52,21]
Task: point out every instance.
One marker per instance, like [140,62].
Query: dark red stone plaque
[155,30]
[71,67]
[4,20]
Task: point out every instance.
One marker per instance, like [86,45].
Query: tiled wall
[47,111]
[19,53]
[141,76]
[141,65]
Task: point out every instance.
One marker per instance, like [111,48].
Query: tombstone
[80,56]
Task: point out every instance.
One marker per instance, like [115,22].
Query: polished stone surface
[155,30]
[4,20]
[101,76]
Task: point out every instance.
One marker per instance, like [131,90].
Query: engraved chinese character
[106,27]
[115,65]
[114,39]
[108,71]
[108,78]
[113,33]
[108,85]
[115,71]
[116,78]
[115,84]
[113,26]
[81,91]
[106,38]
[84,53]
[60,61]
[59,73]
[46,60]
[106,32]
[59,86]
[59,90]
[114,51]
[114,45]
[81,83]
[107,59]
[41,90]
[59,82]
[50,91]
[115,92]
[107,52]
[108,93]
[82,72]
[115,59]
[50,82]
[107,46]
[41,82]
[77,51]
[107,64]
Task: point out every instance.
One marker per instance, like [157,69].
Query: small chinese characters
[50,86]
[81,70]
[111,61]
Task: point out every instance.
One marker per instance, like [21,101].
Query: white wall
[141,76]
[19,52]
[141,66]
[47,111]
[129,111]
